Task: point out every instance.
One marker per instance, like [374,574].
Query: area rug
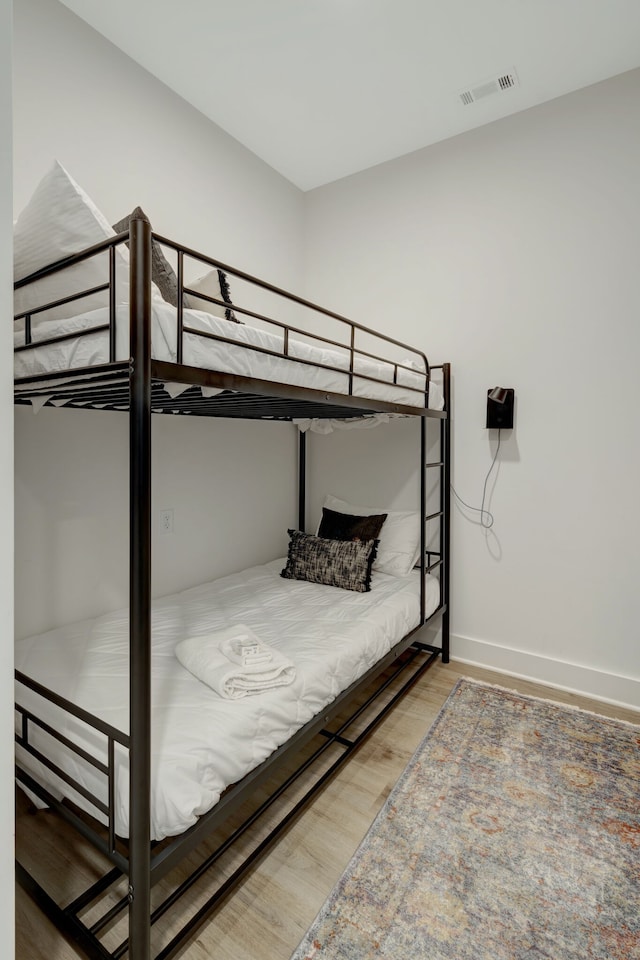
[513,833]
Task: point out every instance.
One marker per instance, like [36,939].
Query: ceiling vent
[499,84]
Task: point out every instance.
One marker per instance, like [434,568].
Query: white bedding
[223,357]
[201,742]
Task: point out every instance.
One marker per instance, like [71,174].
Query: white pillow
[60,219]
[399,547]
[212,284]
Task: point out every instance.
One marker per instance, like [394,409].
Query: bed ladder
[438,559]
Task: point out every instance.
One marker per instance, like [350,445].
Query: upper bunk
[221,342]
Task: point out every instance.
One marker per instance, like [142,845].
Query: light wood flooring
[268,915]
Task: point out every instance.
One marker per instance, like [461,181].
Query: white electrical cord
[481,510]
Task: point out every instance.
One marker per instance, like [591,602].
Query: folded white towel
[249,658]
[241,645]
[204,658]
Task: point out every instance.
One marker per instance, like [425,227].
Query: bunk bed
[100,776]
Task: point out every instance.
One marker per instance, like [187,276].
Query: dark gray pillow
[345,526]
[335,563]
[162,273]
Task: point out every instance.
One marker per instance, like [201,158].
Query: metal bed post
[302,480]
[140,593]
[445,506]
[424,563]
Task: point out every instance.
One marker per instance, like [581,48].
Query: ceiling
[320,89]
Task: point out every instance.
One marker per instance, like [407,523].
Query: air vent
[499,84]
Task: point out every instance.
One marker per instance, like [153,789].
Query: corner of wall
[7,945]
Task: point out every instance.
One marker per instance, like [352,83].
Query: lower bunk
[222,762]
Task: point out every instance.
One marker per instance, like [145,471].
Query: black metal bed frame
[136,385]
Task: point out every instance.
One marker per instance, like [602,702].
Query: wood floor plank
[269,914]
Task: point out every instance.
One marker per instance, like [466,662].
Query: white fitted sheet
[201,742]
[210,354]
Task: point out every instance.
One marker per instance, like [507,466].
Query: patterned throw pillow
[345,526]
[335,563]
[213,284]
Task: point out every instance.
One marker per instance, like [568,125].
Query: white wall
[7,947]
[512,252]
[231,488]
[128,140]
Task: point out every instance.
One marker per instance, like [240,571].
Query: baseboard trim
[571,677]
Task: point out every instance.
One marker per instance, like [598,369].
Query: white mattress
[201,742]
[209,354]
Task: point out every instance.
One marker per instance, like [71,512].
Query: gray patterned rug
[513,833]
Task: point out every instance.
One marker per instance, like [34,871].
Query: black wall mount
[500,411]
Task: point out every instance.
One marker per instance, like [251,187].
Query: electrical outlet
[166,521]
